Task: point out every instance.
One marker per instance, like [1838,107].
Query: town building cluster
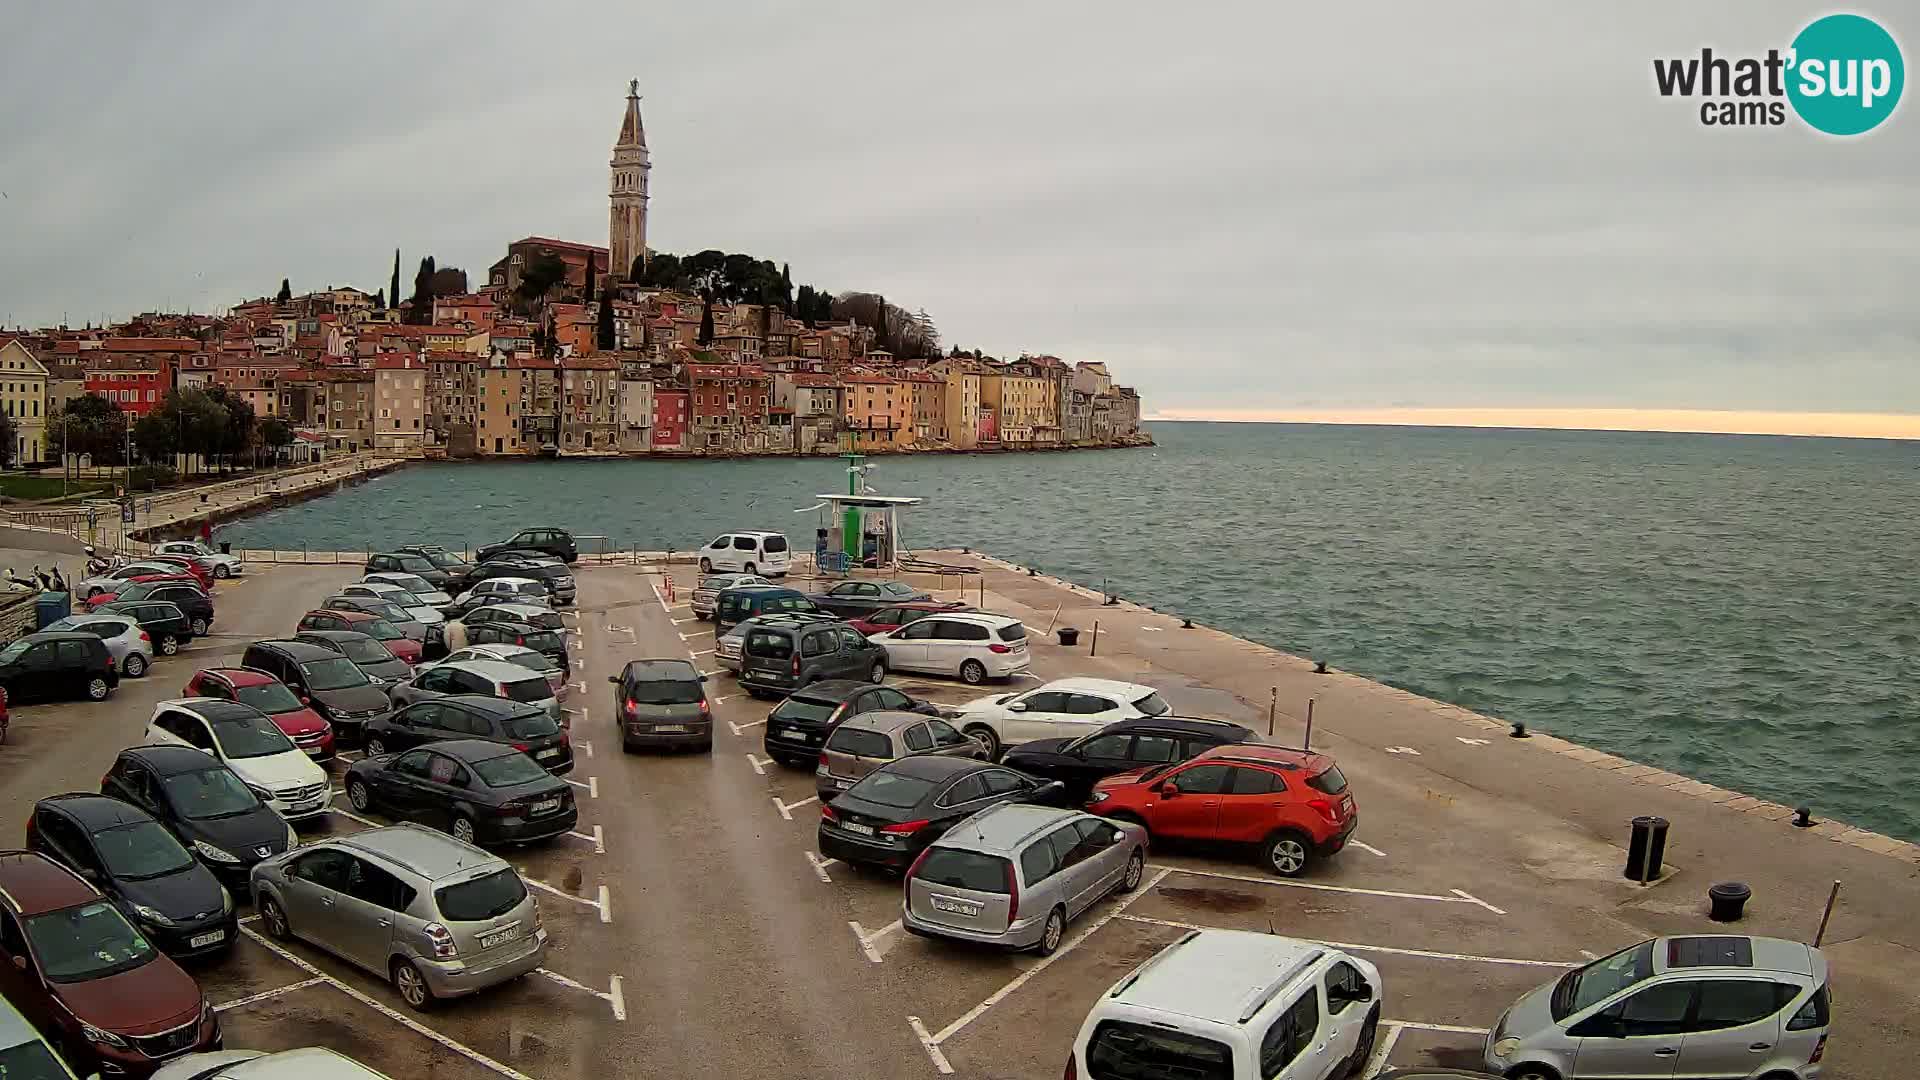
[486,374]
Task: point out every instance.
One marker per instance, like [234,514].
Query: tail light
[918,859]
[509,809]
[796,663]
[144,637]
[827,814]
[442,939]
[520,639]
[1013,892]
[522,747]
[704,709]
[632,706]
[905,828]
[822,763]
[1073,1069]
[996,647]
[564,741]
[834,716]
[1819,1050]
[1326,808]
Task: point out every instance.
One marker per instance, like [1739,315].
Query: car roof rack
[1261,997]
[1126,983]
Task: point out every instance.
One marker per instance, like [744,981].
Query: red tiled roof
[812,380]
[397,362]
[566,245]
[725,371]
[590,363]
[149,344]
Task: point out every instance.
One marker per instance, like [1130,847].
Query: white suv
[1061,709]
[972,646]
[763,553]
[1229,1003]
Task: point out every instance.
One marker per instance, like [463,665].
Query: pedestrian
[456,634]
[206,532]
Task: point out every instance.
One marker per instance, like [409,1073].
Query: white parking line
[699,652]
[585,746]
[691,634]
[598,839]
[592,786]
[579,684]
[820,865]
[759,764]
[615,999]
[1356,946]
[1383,1050]
[351,816]
[264,995]
[1364,846]
[932,1048]
[1451,1029]
[741,729]
[662,597]
[786,809]
[710,674]
[604,905]
[867,940]
[726,698]
[395,1015]
[1458,897]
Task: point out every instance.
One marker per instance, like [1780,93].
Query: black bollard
[1803,818]
[1728,901]
[1186,624]
[1320,667]
[1647,849]
[1519,731]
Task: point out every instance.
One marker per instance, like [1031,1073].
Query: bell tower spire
[627,214]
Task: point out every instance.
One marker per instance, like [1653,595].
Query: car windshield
[250,738]
[402,598]
[417,563]
[1125,1051]
[1152,705]
[894,588]
[88,941]
[1153,774]
[959,869]
[527,691]
[482,898]
[365,650]
[666,692]
[413,583]
[1590,985]
[31,1061]
[1013,632]
[892,789]
[382,609]
[508,770]
[529,725]
[269,698]
[14,650]
[860,742]
[795,708]
[144,849]
[333,674]
[208,794]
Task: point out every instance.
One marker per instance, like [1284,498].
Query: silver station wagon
[1016,874]
[438,917]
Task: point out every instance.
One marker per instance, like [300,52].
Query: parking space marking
[614,998]
[786,808]
[604,905]
[357,755]
[1426,954]
[585,746]
[1459,897]
[592,785]
[268,994]
[351,816]
[820,864]
[711,674]
[867,940]
[579,684]
[390,1013]
[1449,1029]
[598,839]
[741,729]
[699,652]
[759,764]
[1377,1061]
[724,699]
[1589,955]
[690,635]
[1364,846]
[932,1048]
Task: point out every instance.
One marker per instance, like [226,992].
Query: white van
[763,553]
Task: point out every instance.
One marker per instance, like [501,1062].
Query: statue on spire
[633,88]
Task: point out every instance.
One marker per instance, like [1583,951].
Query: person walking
[456,635]
[206,532]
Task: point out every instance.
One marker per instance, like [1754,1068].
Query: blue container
[51,607]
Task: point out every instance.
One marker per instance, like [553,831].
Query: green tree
[7,441]
[286,292]
[276,435]
[590,273]
[603,326]
[420,304]
[393,287]
[706,316]
[542,274]
[156,435]
[97,426]
[380,298]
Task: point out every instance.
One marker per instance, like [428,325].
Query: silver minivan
[1719,1005]
[867,741]
[492,678]
[1016,874]
[438,917]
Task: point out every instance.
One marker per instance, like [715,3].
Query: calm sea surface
[1742,610]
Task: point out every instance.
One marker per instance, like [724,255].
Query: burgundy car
[895,616]
[81,973]
[292,714]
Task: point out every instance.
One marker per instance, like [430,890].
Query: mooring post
[1307,743]
[1273,708]
[1833,894]
[1093,647]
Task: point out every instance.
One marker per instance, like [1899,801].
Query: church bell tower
[627,216]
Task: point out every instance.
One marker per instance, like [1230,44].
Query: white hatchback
[1235,1005]
[971,646]
[762,553]
[246,741]
[1061,709]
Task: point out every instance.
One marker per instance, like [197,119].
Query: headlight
[94,1034]
[261,793]
[151,915]
[293,838]
[1505,1046]
[1101,796]
[213,854]
[226,901]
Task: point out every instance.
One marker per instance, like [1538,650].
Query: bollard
[1519,731]
[1726,900]
[1803,817]
[1069,636]
[1093,646]
[1647,849]
[1186,624]
[1320,667]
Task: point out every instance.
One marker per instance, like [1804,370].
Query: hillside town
[570,350]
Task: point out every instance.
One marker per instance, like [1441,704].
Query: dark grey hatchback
[779,659]
[662,703]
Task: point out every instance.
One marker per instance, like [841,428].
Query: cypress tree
[604,328]
[393,287]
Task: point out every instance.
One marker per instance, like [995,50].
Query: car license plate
[862,830]
[202,940]
[672,729]
[303,807]
[546,806]
[499,937]
[545,754]
[843,784]
[793,733]
[958,907]
[1346,805]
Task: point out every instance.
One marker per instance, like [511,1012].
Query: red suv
[1293,804]
[291,714]
[91,983]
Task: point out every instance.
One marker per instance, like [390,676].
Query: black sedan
[190,598]
[207,806]
[529,729]
[852,599]
[798,727]
[1122,746]
[894,812]
[166,625]
[481,792]
[175,901]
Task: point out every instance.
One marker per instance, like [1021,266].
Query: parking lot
[694,927]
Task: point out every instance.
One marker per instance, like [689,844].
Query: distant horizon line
[1832,425]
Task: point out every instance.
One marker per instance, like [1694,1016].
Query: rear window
[665,692]
[1331,780]
[529,690]
[542,641]
[482,898]
[534,661]
[958,869]
[1122,1051]
[802,709]
[1152,705]
[1813,1014]
[773,545]
[770,644]
[846,740]
[734,607]
[529,725]
[892,789]
[1018,632]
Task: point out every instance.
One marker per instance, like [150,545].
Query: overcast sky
[1252,207]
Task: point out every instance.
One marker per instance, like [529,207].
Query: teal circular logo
[1846,74]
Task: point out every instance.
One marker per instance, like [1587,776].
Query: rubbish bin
[51,607]
[1068,635]
[1647,850]
[226,547]
[1728,900]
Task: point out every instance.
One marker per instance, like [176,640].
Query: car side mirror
[1169,790]
[1018,706]
[615,679]
[703,678]
[1048,792]
[305,700]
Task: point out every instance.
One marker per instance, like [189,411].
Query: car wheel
[879,673]
[199,626]
[988,740]
[411,986]
[135,666]
[462,828]
[1054,933]
[706,566]
[275,918]
[1532,1072]
[97,689]
[751,569]
[359,796]
[1287,854]
[1369,1032]
[376,746]
[169,645]
[222,572]
[1136,869]
[973,673]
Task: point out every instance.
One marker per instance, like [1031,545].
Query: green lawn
[32,486]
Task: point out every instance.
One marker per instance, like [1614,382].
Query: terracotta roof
[812,380]
[866,377]
[149,344]
[566,245]
[590,363]
[398,362]
[725,371]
